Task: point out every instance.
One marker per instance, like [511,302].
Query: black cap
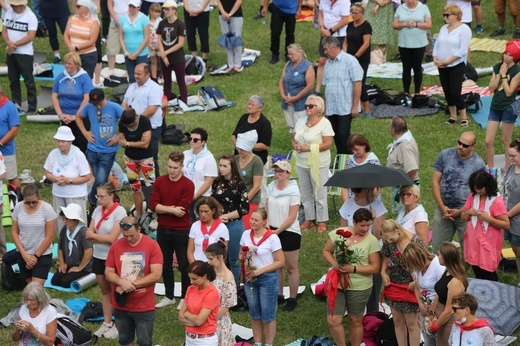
[96,95]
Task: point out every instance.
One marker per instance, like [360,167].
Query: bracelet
[330,31]
[355,270]
[37,257]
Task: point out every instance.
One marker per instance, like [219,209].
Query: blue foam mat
[481,117]
[56,70]
[11,246]
[48,284]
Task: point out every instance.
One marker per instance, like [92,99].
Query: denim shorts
[262,298]
[505,116]
[514,239]
[129,323]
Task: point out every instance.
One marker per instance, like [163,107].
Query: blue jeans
[35,4]
[262,297]
[154,143]
[131,64]
[236,228]
[101,164]
[129,323]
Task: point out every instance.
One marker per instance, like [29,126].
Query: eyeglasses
[446,15]
[101,196]
[407,195]
[127,225]
[356,13]
[466,146]
[78,6]
[310,106]
[455,308]
[279,171]
[194,140]
[30,202]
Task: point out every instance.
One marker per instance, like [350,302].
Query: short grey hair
[258,100]
[330,41]
[35,291]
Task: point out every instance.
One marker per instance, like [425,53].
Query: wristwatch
[127,145]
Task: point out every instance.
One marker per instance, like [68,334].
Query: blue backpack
[317,341]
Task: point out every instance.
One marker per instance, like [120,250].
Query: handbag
[420,101]
[211,98]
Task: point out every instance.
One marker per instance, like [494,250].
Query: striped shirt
[31,227]
[80,32]
[339,77]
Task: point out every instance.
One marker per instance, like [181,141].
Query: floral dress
[398,274]
[228,298]
[381,22]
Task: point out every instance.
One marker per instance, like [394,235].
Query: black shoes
[290,304]
[274,59]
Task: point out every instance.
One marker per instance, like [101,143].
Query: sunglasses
[466,146]
[78,6]
[455,308]
[30,202]
[310,106]
[194,140]
[446,15]
[127,225]
[407,195]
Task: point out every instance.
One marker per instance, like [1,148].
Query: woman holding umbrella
[231,22]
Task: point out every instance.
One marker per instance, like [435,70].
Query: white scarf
[405,138]
[476,205]
[66,75]
[71,237]
[402,218]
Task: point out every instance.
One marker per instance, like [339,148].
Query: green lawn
[34,142]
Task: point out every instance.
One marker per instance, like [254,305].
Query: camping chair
[291,158]
[339,164]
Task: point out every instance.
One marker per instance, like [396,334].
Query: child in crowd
[153,48]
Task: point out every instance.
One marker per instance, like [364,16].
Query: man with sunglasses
[450,187]
[145,97]
[199,166]
[133,266]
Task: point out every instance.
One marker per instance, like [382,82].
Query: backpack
[71,333]
[388,97]
[241,301]
[470,72]
[15,195]
[472,101]
[172,135]
[420,101]
[118,93]
[11,281]
[317,341]
[193,66]
[212,98]
[386,333]
[371,323]
[91,312]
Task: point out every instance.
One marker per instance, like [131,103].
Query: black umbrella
[369,176]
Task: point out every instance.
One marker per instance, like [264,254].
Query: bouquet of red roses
[429,314]
[246,262]
[342,251]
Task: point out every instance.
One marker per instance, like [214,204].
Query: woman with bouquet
[261,255]
[398,291]
[353,253]
[426,272]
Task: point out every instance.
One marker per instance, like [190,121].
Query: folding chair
[339,164]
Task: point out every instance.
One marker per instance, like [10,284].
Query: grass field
[34,142]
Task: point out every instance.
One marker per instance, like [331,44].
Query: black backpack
[172,135]
[386,333]
[91,311]
[71,333]
[15,195]
[11,281]
[193,66]
[241,301]
[472,101]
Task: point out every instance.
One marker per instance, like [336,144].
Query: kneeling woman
[354,296]
[262,256]
[200,308]
[74,250]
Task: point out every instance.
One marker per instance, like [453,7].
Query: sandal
[451,121]
[464,123]
[306,224]
[322,227]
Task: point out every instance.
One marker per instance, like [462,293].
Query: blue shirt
[8,119]
[339,76]
[455,171]
[287,6]
[133,33]
[294,81]
[104,130]
[71,92]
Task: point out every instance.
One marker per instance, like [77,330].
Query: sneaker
[498,32]
[516,34]
[258,15]
[281,299]
[165,302]
[180,304]
[290,305]
[32,111]
[105,327]
[112,333]
[56,60]
[274,59]
[103,40]
[479,30]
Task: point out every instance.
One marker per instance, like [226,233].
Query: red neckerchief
[206,233]
[332,3]
[3,101]
[106,214]
[481,322]
[267,234]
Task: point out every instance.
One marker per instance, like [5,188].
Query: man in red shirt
[133,266]
[171,197]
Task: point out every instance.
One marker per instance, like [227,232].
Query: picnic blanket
[487,45]
[467,87]
[307,15]
[395,70]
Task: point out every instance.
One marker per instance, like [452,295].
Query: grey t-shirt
[79,246]
[31,227]
[512,197]
[455,176]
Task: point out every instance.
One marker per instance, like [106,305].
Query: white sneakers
[180,304]
[107,330]
[165,302]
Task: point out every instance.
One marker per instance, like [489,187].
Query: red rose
[245,248]
[424,293]
[339,232]
[348,234]
[398,253]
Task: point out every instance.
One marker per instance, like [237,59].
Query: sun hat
[247,140]
[17,2]
[72,212]
[64,133]
[84,3]
[135,3]
[169,4]
[286,166]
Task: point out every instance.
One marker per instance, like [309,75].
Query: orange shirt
[197,299]
[80,32]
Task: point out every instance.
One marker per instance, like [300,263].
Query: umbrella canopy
[498,303]
[230,40]
[369,176]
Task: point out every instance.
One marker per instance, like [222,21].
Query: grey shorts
[352,301]
[10,167]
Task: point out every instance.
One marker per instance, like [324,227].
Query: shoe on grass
[180,304]
[306,224]
[290,305]
[516,34]
[112,333]
[281,299]
[498,32]
[105,327]
[479,30]
[165,302]
[274,59]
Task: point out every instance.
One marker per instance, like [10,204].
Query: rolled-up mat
[83,283]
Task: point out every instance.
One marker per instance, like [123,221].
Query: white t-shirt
[197,236]
[77,167]
[120,8]
[31,227]
[140,98]
[279,208]
[2,171]
[40,322]
[332,15]
[348,209]
[312,135]
[465,7]
[409,223]
[18,26]
[264,253]
[431,276]
[198,169]
[101,250]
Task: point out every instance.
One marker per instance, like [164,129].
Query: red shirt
[177,193]
[197,299]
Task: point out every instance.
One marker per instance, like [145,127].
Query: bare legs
[491,131]
[259,327]
[406,323]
